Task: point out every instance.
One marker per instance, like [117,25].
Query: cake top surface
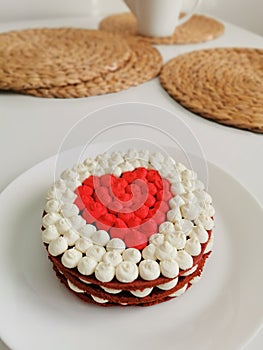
[127,215]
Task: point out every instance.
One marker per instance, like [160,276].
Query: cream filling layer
[138,293]
[144,292]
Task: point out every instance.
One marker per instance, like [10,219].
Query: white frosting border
[181,235]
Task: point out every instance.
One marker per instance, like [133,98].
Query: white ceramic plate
[223,311]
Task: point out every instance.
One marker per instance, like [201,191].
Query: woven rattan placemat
[223,84]
[48,57]
[145,63]
[197,29]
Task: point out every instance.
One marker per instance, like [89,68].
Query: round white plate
[223,311]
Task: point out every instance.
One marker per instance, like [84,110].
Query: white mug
[159,17]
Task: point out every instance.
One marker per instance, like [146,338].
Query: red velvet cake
[128,228]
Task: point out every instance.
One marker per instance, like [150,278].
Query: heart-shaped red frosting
[130,207]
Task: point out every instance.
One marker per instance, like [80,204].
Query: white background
[246,13]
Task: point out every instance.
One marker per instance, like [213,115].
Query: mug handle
[188,15]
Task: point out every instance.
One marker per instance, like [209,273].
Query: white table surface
[32,128]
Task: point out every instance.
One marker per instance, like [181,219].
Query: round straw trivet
[48,57]
[145,63]
[224,84]
[197,29]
